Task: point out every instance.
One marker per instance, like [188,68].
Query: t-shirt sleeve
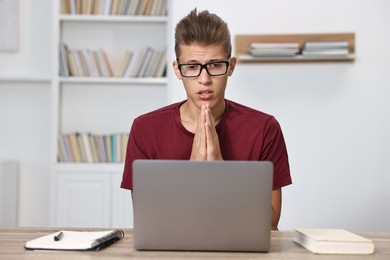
[274,150]
[133,152]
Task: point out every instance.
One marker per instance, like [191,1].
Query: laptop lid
[202,205]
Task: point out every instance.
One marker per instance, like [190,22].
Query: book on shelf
[98,7]
[141,58]
[91,148]
[274,49]
[336,49]
[149,62]
[274,45]
[86,147]
[146,62]
[333,241]
[73,70]
[76,240]
[114,7]
[101,148]
[75,148]
[162,65]
[335,53]
[104,63]
[123,64]
[132,8]
[315,45]
[64,66]
[274,52]
[154,63]
[107,7]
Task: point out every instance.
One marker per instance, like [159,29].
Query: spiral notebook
[76,240]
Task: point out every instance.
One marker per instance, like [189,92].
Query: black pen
[58,236]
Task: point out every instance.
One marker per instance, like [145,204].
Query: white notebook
[75,240]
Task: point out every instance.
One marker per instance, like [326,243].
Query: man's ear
[232,65]
[175,66]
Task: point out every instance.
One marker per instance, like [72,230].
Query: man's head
[202,29]
[203,59]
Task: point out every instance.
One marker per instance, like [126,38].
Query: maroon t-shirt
[244,134]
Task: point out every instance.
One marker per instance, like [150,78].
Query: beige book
[75,147]
[333,241]
[98,7]
[123,64]
[87,147]
[133,7]
[94,149]
[106,62]
[108,146]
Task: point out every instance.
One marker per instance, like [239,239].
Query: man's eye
[192,67]
[215,65]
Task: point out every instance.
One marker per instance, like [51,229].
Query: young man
[206,126]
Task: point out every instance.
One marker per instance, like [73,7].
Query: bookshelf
[100,105]
[243,45]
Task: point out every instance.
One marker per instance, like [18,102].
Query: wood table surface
[13,239]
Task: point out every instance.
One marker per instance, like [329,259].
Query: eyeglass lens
[213,69]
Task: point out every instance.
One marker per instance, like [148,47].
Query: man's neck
[189,114]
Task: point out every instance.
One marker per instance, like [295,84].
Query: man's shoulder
[235,107]
[159,114]
[241,114]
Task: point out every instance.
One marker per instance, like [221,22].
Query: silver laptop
[202,206]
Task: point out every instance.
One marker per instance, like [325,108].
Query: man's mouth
[205,94]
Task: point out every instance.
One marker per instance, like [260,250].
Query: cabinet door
[122,205]
[83,200]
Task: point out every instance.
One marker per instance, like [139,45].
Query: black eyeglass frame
[204,66]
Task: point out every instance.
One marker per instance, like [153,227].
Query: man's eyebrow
[209,61]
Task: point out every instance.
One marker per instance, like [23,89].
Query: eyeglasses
[216,68]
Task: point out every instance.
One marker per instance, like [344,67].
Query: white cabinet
[87,194]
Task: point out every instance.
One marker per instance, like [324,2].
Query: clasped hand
[206,143]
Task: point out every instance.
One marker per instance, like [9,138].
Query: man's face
[204,88]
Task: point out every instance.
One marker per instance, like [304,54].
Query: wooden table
[12,241]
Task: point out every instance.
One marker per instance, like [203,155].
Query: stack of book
[114,7]
[325,49]
[86,63]
[274,49]
[91,148]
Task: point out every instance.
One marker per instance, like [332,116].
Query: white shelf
[243,45]
[24,79]
[113,18]
[89,167]
[249,58]
[113,80]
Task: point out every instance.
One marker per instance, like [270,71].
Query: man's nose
[204,77]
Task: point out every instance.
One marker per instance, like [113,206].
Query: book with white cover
[333,241]
[315,45]
[274,45]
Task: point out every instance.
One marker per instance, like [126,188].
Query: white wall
[334,115]
[32,57]
[25,110]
